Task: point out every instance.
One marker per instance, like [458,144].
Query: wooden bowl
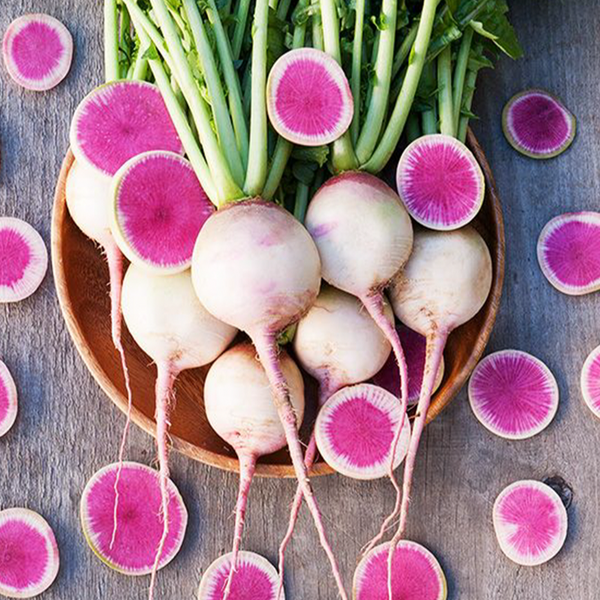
[81,277]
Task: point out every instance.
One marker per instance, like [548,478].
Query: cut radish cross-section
[355,431]
[8,400]
[440,182]
[530,522]
[513,394]
[29,557]
[158,210]
[569,252]
[538,125]
[38,50]
[590,381]
[140,523]
[309,98]
[118,121]
[416,574]
[23,260]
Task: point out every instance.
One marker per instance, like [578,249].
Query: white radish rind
[140,521]
[30,558]
[355,432]
[38,50]
[440,182]
[538,125]
[118,121]
[416,574]
[531,522]
[568,251]
[255,578]
[8,400]
[513,394]
[158,210]
[23,260]
[590,381]
[308,98]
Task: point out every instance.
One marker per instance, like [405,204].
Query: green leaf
[316,154]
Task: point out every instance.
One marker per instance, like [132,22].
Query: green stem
[247,89]
[467,103]
[283,9]
[301,201]
[357,66]
[460,72]
[125,42]
[241,20]
[111,41]
[317,28]
[404,50]
[405,99]
[429,118]
[446,106]
[413,129]
[140,65]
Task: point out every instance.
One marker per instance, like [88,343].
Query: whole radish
[240,408]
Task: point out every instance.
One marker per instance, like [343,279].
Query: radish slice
[38,50]
[118,121]
[23,260]
[569,252]
[29,554]
[513,394]
[415,352]
[140,524]
[158,210]
[355,431]
[308,98]
[590,381]
[530,522]
[416,574]
[440,182]
[538,125]
[8,400]
[255,579]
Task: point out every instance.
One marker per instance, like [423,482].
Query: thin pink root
[266,347]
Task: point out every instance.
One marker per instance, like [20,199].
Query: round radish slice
[416,574]
[590,381]
[38,50]
[355,431]
[538,125]
[530,522]
[23,260]
[513,394]
[569,252]
[28,552]
[415,347]
[158,210]
[308,98]
[118,121]
[8,400]
[440,182]
[140,525]
[255,578]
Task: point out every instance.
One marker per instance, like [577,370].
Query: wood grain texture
[66,429]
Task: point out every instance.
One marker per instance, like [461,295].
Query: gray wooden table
[67,429]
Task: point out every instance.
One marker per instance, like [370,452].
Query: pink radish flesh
[513,394]
[30,558]
[255,579]
[38,50]
[118,121]
[309,98]
[440,182]
[8,400]
[590,381]
[530,521]
[134,548]
[538,125]
[23,260]
[159,208]
[416,574]
[569,252]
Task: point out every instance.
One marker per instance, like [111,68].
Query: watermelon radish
[118,121]
[255,579]
[158,210]
[568,251]
[538,125]
[23,260]
[355,431]
[8,400]
[590,381]
[530,521]
[513,394]
[30,558]
[440,182]
[416,574]
[134,550]
[38,50]
[309,98]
